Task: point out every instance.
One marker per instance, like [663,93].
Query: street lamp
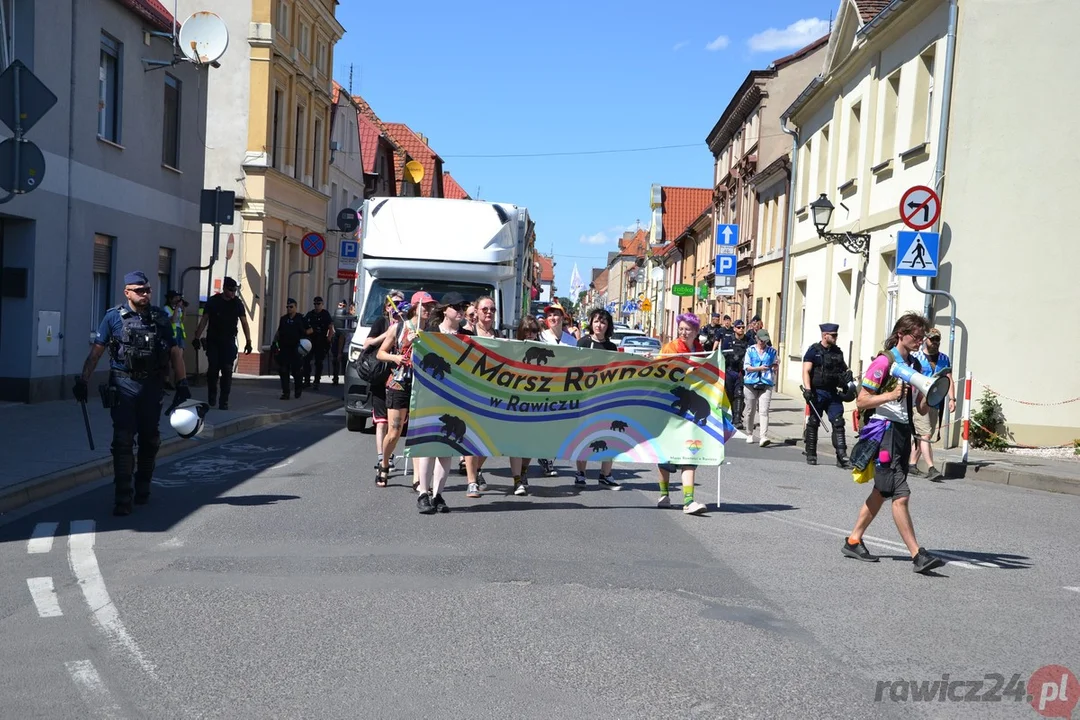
[853,242]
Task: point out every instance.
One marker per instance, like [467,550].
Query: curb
[974,470]
[41,487]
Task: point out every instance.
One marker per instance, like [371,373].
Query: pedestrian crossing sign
[917,254]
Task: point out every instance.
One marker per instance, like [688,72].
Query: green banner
[508,398]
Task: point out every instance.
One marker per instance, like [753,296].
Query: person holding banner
[400,338]
[372,342]
[685,343]
[601,326]
[485,328]
[529,329]
[554,333]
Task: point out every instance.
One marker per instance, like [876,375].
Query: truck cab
[438,245]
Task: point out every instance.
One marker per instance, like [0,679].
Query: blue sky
[504,78]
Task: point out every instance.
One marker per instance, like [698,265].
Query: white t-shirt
[547,337]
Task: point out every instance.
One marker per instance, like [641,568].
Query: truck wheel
[354,423]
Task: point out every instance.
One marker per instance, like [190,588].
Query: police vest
[141,346]
[829,365]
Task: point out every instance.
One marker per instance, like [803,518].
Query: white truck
[439,245]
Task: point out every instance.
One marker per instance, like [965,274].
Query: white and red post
[967,418]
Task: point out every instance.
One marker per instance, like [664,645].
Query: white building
[346,185]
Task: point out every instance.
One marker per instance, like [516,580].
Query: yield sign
[920,207]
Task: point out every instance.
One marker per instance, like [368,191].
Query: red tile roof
[369,141]
[547,269]
[682,206]
[452,189]
[419,150]
[381,131]
[336,92]
[152,11]
[869,9]
[634,245]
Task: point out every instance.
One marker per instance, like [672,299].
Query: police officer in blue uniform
[825,374]
[292,328]
[141,346]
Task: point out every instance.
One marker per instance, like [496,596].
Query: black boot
[839,441]
[123,495]
[810,442]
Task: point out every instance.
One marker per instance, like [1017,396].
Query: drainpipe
[69,209]
[943,131]
[784,294]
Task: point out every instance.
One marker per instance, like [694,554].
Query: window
[321,57]
[269,295]
[101,290]
[890,105]
[924,98]
[283,12]
[317,155]
[854,132]
[170,145]
[334,209]
[305,40]
[165,273]
[298,141]
[109,93]
[823,162]
[276,131]
[800,304]
[804,169]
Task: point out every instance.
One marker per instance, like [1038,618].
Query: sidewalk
[45,448]
[1035,473]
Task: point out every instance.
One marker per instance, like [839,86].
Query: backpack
[371,369]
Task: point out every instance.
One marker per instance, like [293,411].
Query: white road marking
[84,564]
[44,594]
[92,689]
[868,539]
[1074,589]
[41,539]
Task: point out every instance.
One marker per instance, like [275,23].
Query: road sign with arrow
[920,207]
[727,235]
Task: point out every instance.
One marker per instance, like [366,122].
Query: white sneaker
[695,508]
[764,441]
[663,502]
[521,489]
[750,439]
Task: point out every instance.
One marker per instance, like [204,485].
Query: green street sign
[682,290]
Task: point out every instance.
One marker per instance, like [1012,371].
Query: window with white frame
[284,11]
[298,142]
[277,131]
[317,154]
[890,107]
[321,56]
[851,170]
[109,88]
[305,40]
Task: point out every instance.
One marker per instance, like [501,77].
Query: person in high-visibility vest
[174,305]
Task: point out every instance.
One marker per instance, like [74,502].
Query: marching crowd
[890,409]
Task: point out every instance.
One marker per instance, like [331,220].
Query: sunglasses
[144,290]
[487,309]
[290,307]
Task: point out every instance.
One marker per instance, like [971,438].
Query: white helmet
[187,418]
[305,347]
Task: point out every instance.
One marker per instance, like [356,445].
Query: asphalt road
[270,577]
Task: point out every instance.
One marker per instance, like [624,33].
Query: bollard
[967,419]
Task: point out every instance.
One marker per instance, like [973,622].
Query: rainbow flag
[508,398]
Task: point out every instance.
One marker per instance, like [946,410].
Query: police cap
[829,327]
[290,301]
[739,323]
[136,278]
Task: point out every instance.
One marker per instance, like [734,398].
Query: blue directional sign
[917,253]
[350,250]
[725,265]
[727,235]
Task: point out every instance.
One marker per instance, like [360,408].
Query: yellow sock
[687,494]
[663,487]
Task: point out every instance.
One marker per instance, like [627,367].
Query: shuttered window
[165,272]
[101,288]
[102,254]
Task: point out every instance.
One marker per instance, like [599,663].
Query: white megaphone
[934,389]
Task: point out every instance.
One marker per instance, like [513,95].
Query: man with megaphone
[893,388]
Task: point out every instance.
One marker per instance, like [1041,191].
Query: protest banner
[508,398]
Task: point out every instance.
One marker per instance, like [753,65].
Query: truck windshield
[380,288]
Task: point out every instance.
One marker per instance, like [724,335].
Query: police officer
[824,373]
[292,328]
[733,382]
[321,324]
[141,347]
[219,320]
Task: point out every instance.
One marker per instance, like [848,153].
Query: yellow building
[267,140]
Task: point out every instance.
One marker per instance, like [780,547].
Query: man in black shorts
[892,402]
[220,315]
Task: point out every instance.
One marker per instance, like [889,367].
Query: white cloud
[611,236]
[719,43]
[796,35]
[680,45]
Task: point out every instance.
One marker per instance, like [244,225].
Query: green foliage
[992,417]
[1076,446]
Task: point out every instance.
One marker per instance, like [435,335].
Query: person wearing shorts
[893,402]
[378,391]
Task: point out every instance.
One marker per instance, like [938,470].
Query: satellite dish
[414,171]
[203,37]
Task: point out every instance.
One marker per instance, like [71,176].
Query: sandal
[461,467]
[382,476]
[416,485]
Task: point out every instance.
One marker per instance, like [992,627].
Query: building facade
[269,144]
[346,175]
[120,192]
[746,142]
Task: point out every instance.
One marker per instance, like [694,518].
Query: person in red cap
[396,349]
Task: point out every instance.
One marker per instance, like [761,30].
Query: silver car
[639,345]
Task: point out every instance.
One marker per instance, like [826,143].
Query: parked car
[639,345]
[618,334]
